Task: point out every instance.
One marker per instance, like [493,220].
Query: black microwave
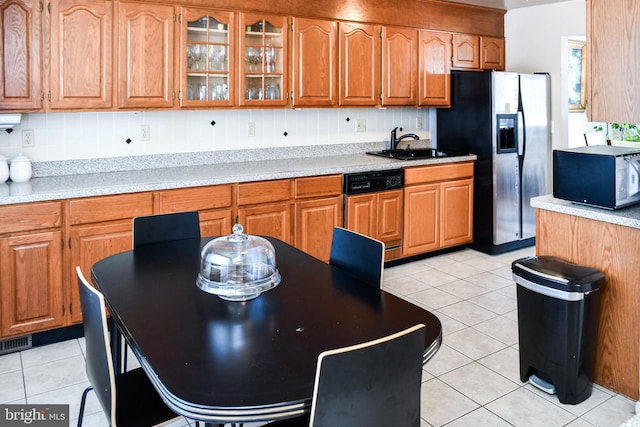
[600,175]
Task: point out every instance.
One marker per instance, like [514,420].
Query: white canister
[4,169]
[20,170]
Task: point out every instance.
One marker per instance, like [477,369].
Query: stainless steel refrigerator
[504,118]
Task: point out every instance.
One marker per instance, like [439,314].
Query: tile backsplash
[94,135]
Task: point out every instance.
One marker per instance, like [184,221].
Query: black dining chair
[128,398]
[160,228]
[374,384]
[358,254]
[165,227]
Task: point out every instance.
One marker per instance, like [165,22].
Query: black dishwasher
[374,207]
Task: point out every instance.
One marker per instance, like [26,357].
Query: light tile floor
[472,381]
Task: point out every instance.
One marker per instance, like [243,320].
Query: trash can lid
[558,274]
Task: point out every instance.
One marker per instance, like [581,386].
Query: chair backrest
[358,254]
[165,227]
[372,384]
[99,364]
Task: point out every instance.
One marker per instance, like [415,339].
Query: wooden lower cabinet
[31,275]
[378,215]
[213,203]
[421,219]
[456,227]
[314,223]
[31,295]
[272,220]
[90,244]
[438,207]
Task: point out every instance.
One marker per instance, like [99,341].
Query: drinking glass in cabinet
[217,58]
[196,57]
[273,91]
[270,59]
[254,92]
[253,59]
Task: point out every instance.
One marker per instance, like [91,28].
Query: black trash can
[558,312]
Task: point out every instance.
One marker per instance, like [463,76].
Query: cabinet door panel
[145,55]
[315,62]
[31,277]
[466,51]
[216,223]
[492,53]
[88,246]
[435,69]
[267,220]
[359,64]
[421,219]
[613,41]
[207,58]
[263,60]
[314,223]
[362,214]
[456,226]
[20,47]
[390,217]
[81,54]
[399,66]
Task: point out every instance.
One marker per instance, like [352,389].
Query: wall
[536,41]
[69,136]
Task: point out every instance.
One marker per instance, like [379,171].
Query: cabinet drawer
[195,199]
[252,193]
[30,216]
[422,174]
[110,208]
[318,186]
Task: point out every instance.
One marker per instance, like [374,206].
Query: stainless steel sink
[418,154]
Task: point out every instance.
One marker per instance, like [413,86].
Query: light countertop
[628,216]
[160,176]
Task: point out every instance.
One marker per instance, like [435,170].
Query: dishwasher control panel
[367,182]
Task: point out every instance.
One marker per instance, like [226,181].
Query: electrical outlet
[418,122]
[28,138]
[361,125]
[251,129]
[144,133]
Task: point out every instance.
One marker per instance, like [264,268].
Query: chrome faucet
[395,140]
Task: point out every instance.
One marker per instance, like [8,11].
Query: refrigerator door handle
[522,136]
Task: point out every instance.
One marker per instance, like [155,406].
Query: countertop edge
[628,216]
[51,188]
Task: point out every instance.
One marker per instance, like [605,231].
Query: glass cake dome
[238,267]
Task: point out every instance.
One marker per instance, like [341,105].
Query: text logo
[34,415]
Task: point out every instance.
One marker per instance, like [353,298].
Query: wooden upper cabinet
[315,62]
[359,64]
[399,66]
[20,50]
[466,51]
[81,38]
[492,55]
[145,55]
[207,58]
[263,60]
[613,42]
[434,73]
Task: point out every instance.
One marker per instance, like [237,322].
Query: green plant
[620,131]
[626,131]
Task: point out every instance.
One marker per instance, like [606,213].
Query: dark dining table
[222,361]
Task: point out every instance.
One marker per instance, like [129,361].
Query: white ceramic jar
[20,170]
[4,169]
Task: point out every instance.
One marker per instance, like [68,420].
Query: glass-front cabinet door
[263,60]
[207,58]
